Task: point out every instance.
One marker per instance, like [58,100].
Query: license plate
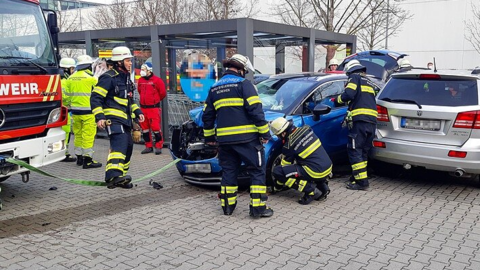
[198,168]
[422,124]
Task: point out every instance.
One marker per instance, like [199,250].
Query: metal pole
[80,14]
[386,31]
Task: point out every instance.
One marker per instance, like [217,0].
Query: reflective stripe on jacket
[78,90]
[111,98]
[234,105]
[304,147]
[360,95]
[64,82]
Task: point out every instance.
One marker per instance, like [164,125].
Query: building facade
[66,4]
[437,29]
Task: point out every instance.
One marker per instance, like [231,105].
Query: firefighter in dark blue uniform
[312,164]
[361,120]
[112,105]
[241,128]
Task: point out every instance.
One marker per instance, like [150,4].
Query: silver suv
[430,120]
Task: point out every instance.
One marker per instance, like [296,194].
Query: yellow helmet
[279,125]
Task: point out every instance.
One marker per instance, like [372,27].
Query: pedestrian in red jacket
[152,90]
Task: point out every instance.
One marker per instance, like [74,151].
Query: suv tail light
[457,154]
[430,77]
[382,114]
[469,120]
[379,144]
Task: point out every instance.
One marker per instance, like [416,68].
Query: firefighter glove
[136,135]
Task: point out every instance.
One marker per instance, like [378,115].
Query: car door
[329,129]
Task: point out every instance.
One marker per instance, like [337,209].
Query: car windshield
[431,92]
[24,38]
[281,94]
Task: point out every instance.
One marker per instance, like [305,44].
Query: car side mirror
[320,109]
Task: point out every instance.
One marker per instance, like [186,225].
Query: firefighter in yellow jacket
[68,65]
[78,90]
[112,104]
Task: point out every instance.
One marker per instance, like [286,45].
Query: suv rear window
[432,92]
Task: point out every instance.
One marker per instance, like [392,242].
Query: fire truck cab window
[24,36]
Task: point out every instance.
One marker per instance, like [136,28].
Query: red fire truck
[31,110]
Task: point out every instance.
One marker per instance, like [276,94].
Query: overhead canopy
[162,44]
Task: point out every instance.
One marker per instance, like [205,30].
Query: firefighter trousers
[253,156]
[68,129]
[293,176]
[360,141]
[152,124]
[121,147]
[84,130]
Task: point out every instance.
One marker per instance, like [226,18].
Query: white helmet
[239,61]
[279,125]
[333,61]
[84,59]
[354,65]
[67,62]
[404,63]
[120,53]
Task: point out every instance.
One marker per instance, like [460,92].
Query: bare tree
[154,12]
[72,51]
[384,23]
[148,12]
[68,20]
[205,10]
[116,15]
[177,11]
[339,16]
[473,28]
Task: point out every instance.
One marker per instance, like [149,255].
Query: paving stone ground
[414,220]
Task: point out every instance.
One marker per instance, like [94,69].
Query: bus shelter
[188,56]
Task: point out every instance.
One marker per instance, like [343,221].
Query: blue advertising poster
[197,75]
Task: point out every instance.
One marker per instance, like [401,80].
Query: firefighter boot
[324,189]
[69,158]
[268,212]
[359,185]
[120,181]
[158,139]
[79,160]
[147,150]
[89,163]
[228,209]
[308,198]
